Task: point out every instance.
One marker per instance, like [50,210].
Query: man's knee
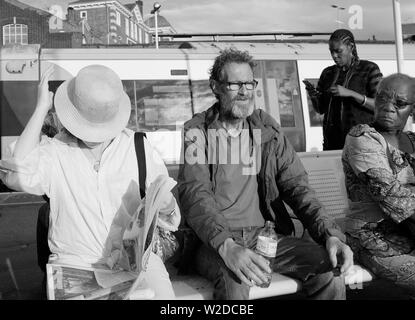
[301,258]
[325,286]
[227,286]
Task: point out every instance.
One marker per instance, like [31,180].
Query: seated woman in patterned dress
[379,165]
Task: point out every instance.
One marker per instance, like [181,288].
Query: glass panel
[297,139]
[18,100]
[24,34]
[19,34]
[282,75]
[203,97]
[127,27]
[130,90]
[162,103]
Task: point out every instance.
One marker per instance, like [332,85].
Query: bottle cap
[270,223]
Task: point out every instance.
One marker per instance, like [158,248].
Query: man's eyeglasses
[236,86]
[398,103]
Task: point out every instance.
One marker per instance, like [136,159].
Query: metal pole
[157,33]
[108,24]
[398,34]
[399,49]
[83,31]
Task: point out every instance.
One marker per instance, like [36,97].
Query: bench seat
[195,287]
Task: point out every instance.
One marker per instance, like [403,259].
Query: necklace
[94,154]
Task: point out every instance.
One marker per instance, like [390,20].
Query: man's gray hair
[229,55]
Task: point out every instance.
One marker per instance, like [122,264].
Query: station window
[140,35]
[127,27]
[132,29]
[15,33]
[118,18]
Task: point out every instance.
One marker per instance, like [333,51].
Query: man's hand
[245,263]
[337,248]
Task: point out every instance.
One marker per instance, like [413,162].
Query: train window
[316,119]
[283,80]
[18,100]
[278,85]
[166,104]
[129,88]
[202,95]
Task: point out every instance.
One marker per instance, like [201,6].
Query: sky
[364,18]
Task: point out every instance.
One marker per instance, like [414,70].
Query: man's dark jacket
[281,177]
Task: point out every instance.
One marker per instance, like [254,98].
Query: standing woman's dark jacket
[343,113]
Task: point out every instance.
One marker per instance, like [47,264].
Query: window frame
[23,33]
[127,26]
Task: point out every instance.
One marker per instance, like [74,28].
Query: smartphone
[308,83]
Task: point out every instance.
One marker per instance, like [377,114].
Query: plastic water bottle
[267,247]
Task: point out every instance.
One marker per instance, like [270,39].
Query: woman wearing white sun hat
[88,170]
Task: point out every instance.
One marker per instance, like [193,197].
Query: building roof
[130,6]
[24,6]
[161,22]
[408,28]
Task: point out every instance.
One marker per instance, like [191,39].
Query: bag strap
[141,160]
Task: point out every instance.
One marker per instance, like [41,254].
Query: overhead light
[156,7]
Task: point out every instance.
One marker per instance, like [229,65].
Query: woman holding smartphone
[345,90]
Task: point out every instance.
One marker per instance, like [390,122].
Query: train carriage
[168,86]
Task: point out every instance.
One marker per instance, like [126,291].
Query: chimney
[140,6]
[70,16]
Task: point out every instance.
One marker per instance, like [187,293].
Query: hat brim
[86,130]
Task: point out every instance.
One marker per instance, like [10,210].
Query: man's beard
[231,110]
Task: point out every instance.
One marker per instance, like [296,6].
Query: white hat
[93,105]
